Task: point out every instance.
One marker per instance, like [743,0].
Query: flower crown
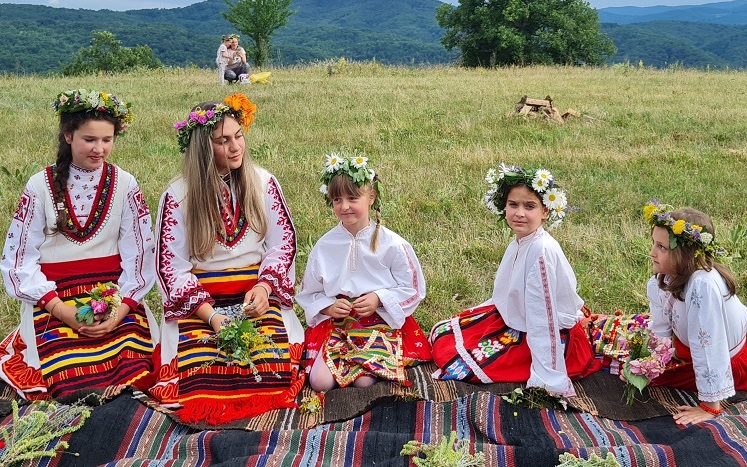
[355,167]
[505,177]
[236,105]
[81,100]
[680,231]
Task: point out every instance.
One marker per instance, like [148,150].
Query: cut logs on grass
[543,108]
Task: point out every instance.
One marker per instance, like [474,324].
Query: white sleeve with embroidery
[22,274]
[182,293]
[661,316]
[136,246]
[400,301]
[278,266]
[543,331]
[708,343]
[311,295]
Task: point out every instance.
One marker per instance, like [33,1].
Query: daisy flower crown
[505,177]
[680,231]
[236,105]
[355,167]
[82,100]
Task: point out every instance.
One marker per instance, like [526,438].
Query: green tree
[258,20]
[107,55]
[524,32]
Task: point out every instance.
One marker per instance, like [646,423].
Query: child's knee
[364,381]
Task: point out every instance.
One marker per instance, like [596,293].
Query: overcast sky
[142,4]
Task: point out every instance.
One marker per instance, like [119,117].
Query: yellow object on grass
[261,78]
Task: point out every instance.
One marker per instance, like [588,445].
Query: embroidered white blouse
[343,264]
[275,253]
[713,327]
[125,228]
[535,292]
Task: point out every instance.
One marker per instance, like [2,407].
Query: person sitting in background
[237,65]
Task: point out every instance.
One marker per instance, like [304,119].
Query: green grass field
[431,133]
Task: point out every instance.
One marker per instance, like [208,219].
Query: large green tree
[258,20]
[524,32]
[107,55]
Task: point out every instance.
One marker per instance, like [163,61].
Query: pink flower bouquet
[105,300]
[647,357]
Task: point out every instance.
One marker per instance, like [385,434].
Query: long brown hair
[343,185]
[203,188]
[685,262]
[70,122]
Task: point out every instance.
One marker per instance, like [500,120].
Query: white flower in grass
[333,162]
[323,189]
[706,238]
[359,161]
[554,198]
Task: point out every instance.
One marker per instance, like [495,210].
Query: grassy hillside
[432,134]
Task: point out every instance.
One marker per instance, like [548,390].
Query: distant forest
[38,39]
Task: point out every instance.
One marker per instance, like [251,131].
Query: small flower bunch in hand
[104,303]
[647,357]
[238,338]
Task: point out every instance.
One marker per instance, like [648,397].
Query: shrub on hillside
[106,55]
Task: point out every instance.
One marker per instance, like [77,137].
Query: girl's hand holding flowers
[101,328]
[257,300]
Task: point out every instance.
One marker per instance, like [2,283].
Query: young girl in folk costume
[531,329]
[225,239]
[80,222]
[693,300]
[361,286]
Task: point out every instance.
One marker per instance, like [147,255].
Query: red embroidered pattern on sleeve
[548,307]
[277,275]
[183,300]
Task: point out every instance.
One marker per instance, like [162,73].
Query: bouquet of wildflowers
[238,338]
[105,300]
[647,357]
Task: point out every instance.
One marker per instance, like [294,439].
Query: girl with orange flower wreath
[225,241]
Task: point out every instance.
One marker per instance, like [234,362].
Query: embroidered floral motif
[704,337]
[101,206]
[486,349]
[457,370]
[696,299]
[710,376]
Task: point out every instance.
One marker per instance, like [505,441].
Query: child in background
[693,299]
[80,222]
[361,286]
[223,57]
[531,329]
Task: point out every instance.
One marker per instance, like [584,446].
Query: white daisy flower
[554,198]
[554,225]
[371,174]
[706,238]
[358,161]
[540,184]
[323,189]
[491,175]
[333,162]
[544,175]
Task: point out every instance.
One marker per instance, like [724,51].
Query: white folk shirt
[343,264]
[275,253]
[713,327]
[126,230]
[535,292]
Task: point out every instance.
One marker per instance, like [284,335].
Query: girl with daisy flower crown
[81,223]
[362,284]
[693,299]
[532,329]
[226,241]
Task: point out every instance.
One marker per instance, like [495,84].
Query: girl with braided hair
[80,222]
[362,284]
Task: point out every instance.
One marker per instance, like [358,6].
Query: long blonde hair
[203,189]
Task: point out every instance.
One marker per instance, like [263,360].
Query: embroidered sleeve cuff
[46,298]
[130,303]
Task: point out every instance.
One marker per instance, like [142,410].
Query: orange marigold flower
[241,103]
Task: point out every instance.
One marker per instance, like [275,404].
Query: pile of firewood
[543,108]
